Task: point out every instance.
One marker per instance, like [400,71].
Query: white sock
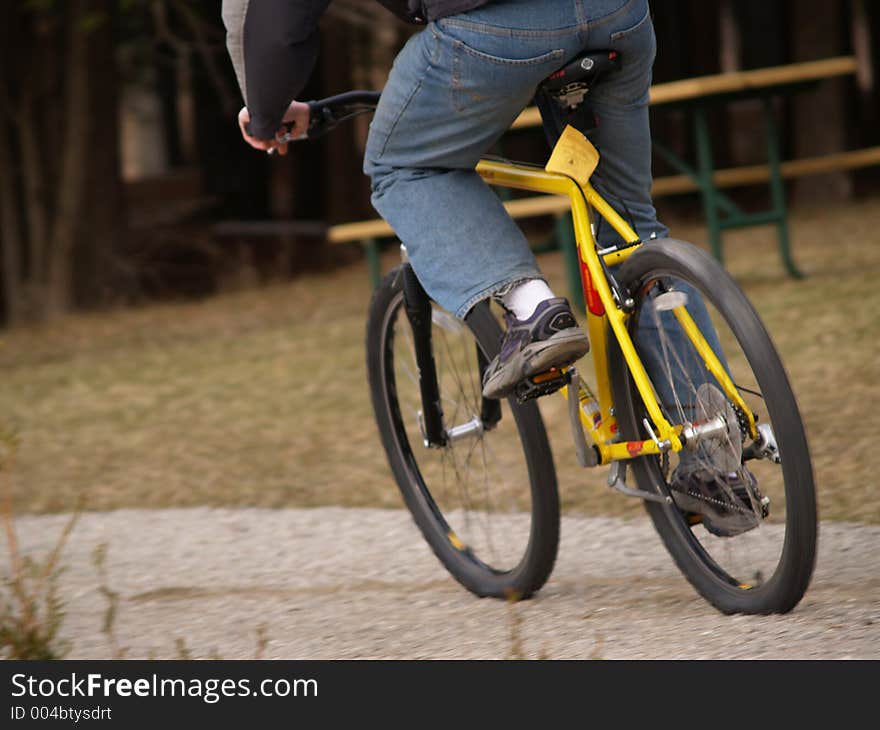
[524,298]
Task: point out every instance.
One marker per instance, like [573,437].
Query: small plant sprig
[108,627]
[517,647]
[113,598]
[31,612]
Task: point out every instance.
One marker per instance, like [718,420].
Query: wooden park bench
[696,96]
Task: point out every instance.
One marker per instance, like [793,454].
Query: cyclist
[454,89]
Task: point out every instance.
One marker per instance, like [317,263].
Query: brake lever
[322,120]
[287,138]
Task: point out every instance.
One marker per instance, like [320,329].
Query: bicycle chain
[743,421]
[714,500]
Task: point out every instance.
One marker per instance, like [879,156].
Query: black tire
[765,569]
[498,534]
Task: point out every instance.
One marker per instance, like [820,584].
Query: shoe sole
[559,351]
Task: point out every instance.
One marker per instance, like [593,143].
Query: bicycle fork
[418,311]
[420,315]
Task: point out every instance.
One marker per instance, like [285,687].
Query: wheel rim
[477,488]
[745,560]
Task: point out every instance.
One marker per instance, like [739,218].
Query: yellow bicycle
[669,403]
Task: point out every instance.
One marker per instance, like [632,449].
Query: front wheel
[742,525]
[484,495]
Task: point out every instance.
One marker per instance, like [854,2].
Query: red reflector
[551,374]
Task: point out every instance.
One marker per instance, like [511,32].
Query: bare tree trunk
[10,235]
[342,160]
[186,111]
[861,42]
[97,269]
[820,121]
[35,200]
[730,47]
[202,47]
[73,161]
[384,47]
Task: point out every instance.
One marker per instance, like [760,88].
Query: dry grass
[260,398]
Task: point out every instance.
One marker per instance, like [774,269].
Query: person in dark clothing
[453,90]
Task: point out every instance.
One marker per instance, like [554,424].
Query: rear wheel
[743,524]
[486,499]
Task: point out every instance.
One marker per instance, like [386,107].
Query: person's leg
[620,107]
[619,104]
[454,90]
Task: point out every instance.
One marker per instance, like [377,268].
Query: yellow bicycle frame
[601,309]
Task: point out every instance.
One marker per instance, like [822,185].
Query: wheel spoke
[737,553]
[478,487]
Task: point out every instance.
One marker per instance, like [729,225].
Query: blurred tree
[360,41]
[821,118]
[62,200]
[73,233]
[45,53]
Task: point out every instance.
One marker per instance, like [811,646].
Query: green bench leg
[371,247]
[705,173]
[777,190]
[713,201]
[564,229]
[724,203]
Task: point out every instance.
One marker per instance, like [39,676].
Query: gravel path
[335,583]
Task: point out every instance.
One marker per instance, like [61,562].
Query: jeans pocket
[554,55]
[502,72]
[626,32]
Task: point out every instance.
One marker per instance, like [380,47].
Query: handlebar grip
[349,97]
[325,114]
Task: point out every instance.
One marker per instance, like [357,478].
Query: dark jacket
[273,45]
[420,11]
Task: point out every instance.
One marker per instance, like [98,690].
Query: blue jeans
[453,91]
[455,88]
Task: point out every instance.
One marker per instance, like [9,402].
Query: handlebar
[368,98]
[325,114]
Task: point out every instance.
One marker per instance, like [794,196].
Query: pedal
[541,384]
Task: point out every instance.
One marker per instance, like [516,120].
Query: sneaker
[724,504]
[549,339]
